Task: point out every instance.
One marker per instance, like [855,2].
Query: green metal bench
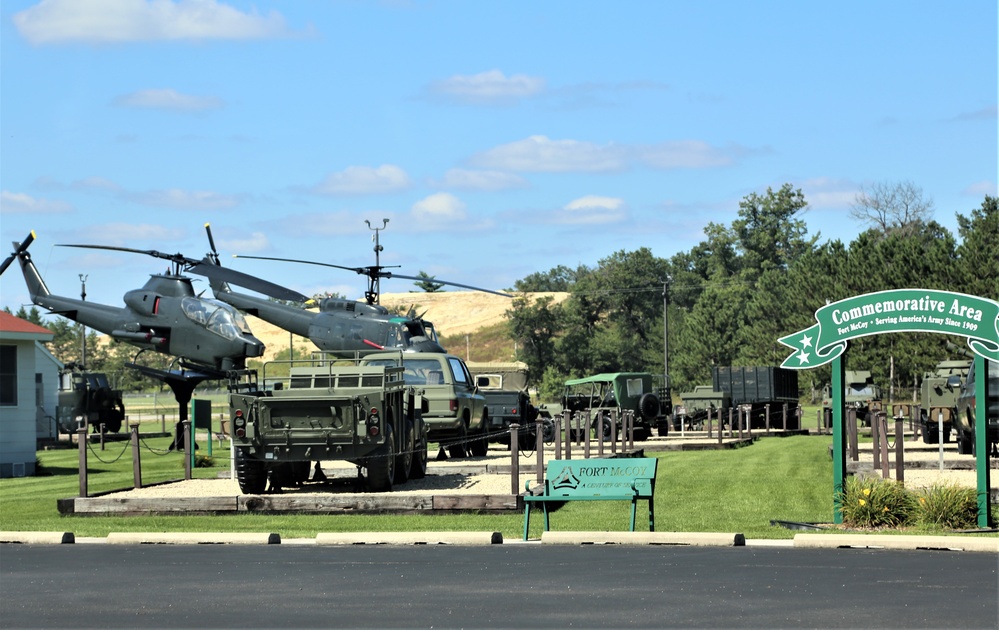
[619,479]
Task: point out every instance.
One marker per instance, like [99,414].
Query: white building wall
[48,366]
[17,423]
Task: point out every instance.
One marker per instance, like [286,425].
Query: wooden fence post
[136,464]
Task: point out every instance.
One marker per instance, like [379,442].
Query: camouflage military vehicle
[87,396]
[327,409]
[860,393]
[938,397]
[456,414]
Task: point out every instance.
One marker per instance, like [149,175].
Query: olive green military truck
[859,393]
[326,409]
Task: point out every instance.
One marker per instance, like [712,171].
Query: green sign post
[901,310]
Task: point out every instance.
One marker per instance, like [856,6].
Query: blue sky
[499,138]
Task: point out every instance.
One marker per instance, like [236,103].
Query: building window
[8,376]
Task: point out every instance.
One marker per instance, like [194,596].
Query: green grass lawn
[737,491]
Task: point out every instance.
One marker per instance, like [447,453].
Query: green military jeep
[618,392]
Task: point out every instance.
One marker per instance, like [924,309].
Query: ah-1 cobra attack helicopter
[165,315]
[342,325]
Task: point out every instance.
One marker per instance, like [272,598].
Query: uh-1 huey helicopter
[165,315]
[343,325]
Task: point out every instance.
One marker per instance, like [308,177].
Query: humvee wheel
[404,460]
[381,465]
[250,473]
[419,468]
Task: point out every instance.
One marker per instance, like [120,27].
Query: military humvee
[938,398]
[327,409]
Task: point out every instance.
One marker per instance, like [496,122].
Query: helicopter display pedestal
[181,383]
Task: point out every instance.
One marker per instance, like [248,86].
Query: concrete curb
[410,538]
[38,538]
[192,538]
[952,543]
[693,539]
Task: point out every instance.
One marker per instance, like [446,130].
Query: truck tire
[456,449]
[479,446]
[649,407]
[404,459]
[381,465]
[250,473]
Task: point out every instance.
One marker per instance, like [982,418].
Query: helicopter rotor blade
[180,259]
[371,272]
[212,270]
[214,254]
[19,248]
[389,274]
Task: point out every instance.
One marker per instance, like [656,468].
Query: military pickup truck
[508,402]
[964,415]
[456,416]
[326,409]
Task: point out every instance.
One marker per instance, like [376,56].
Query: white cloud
[439,208]
[21,203]
[120,21]
[364,180]
[685,154]
[980,189]
[185,199]
[252,244]
[489,87]
[541,154]
[592,210]
[464,179]
[827,192]
[128,234]
[168,99]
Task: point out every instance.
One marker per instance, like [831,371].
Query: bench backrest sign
[598,477]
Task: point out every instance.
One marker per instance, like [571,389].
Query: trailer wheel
[381,465]
[250,473]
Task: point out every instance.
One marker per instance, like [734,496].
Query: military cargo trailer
[327,409]
[753,388]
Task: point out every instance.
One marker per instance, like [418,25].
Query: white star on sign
[806,341]
[803,358]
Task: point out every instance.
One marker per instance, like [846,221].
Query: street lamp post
[83,328]
[378,249]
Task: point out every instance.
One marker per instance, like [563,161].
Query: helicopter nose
[253,347]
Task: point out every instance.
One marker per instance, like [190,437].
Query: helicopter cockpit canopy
[218,317]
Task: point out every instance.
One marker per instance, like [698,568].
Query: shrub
[948,506]
[203,461]
[874,502]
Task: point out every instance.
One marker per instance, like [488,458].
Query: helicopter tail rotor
[19,250]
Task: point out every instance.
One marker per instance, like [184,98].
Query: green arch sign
[900,310]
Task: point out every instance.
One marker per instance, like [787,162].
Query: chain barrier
[90,447]
[155,451]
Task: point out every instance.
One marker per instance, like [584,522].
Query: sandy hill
[452,312]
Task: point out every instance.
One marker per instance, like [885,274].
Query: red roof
[11,324]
